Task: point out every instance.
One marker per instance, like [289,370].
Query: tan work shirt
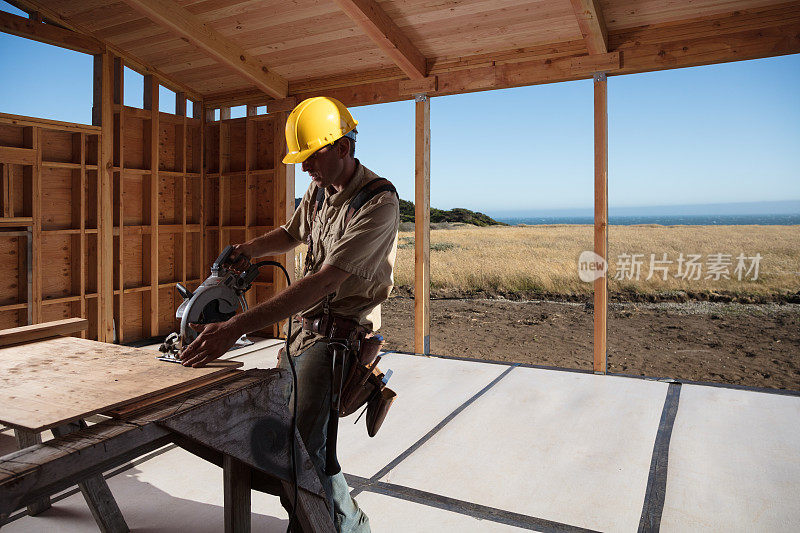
[366,248]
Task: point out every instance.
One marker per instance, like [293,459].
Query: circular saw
[215,300]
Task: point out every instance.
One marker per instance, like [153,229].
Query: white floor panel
[734,462]
[428,389]
[567,447]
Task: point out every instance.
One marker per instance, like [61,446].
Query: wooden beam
[593,27]
[45,330]
[744,34]
[26,438]
[181,22]
[422,225]
[374,21]
[49,34]
[131,61]
[600,220]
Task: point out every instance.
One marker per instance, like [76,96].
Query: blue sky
[714,134]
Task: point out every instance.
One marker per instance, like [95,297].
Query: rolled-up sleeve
[368,239]
[299,225]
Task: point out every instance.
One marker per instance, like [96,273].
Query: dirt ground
[744,344]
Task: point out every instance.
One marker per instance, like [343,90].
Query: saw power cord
[293,515]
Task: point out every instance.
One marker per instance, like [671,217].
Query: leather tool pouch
[363,385]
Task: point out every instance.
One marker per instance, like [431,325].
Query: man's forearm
[297,297]
[277,241]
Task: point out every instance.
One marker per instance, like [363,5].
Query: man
[348,273]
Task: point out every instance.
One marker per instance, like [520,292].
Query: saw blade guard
[210,303]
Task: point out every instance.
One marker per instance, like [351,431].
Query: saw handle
[222,260]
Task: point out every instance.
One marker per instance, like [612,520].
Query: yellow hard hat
[314,123]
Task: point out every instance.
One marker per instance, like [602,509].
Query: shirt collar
[339,198]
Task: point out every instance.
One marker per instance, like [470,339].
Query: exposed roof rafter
[593,27]
[48,33]
[53,17]
[179,21]
[384,32]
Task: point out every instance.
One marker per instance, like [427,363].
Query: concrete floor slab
[428,390]
[567,447]
[391,515]
[734,462]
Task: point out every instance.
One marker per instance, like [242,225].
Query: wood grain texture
[601,220]
[51,382]
[251,425]
[422,228]
[44,330]
[222,49]
[386,35]
[593,27]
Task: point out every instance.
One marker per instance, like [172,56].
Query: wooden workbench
[235,419]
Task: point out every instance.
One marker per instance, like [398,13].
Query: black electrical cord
[293,515]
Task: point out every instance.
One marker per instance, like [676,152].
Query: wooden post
[600,219]
[119,182]
[150,311]
[422,225]
[95,491]
[283,206]
[236,482]
[27,438]
[103,116]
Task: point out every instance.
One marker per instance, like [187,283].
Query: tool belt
[363,384]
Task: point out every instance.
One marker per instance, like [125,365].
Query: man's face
[325,166]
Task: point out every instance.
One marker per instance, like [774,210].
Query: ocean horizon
[663,220]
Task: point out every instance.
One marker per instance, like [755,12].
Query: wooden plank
[17,156]
[19,120]
[13,222]
[49,34]
[181,22]
[45,469]
[35,332]
[99,499]
[422,225]
[379,27]
[90,377]
[236,491]
[102,115]
[26,438]
[593,28]
[133,407]
[600,220]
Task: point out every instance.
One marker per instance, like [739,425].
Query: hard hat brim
[298,157]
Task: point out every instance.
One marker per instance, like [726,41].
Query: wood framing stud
[103,116]
[593,27]
[181,22]
[371,18]
[422,225]
[600,220]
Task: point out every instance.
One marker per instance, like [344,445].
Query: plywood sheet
[47,383]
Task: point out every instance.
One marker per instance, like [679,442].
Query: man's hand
[211,343]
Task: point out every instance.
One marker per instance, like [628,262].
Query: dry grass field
[530,260]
